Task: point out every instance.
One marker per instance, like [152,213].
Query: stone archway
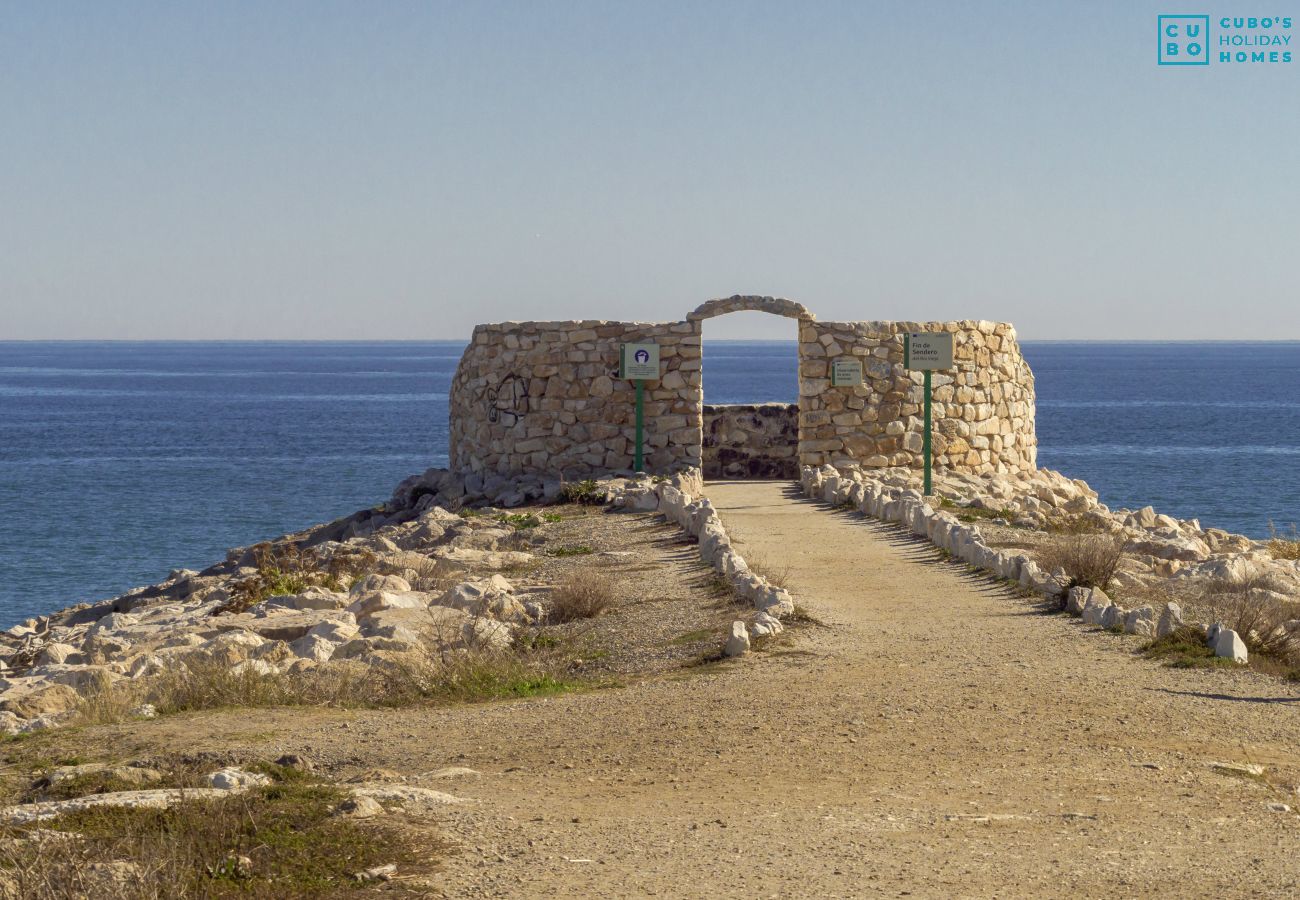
[750,440]
[777,306]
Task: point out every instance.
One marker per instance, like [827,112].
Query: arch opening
[750,393]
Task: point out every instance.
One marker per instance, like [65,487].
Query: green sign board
[924,351]
[846,371]
[638,362]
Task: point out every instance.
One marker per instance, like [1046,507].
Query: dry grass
[289,569]
[276,841]
[434,576]
[464,675]
[583,595]
[1283,547]
[1250,608]
[1089,560]
[777,577]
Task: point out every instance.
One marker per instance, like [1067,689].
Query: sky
[405,170]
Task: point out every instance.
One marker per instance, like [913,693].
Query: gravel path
[943,737]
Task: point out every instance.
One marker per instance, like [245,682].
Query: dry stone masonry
[983,411]
[751,441]
[545,398]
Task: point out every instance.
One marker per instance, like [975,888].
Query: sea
[121,461]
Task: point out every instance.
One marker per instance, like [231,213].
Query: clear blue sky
[404,170]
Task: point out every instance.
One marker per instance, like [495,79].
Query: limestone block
[737,641]
[1229,645]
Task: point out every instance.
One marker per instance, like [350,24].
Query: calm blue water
[121,461]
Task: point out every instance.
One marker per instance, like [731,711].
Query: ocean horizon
[154,455]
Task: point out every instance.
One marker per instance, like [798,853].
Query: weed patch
[277,841]
[570,550]
[586,492]
[1185,648]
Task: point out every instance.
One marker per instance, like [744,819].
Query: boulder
[1141,621]
[738,641]
[56,654]
[765,625]
[288,626]
[1229,645]
[314,647]
[235,779]
[1171,619]
[39,697]
[1112,617]
[485,598]
[312,598]
[368,603]
[487,634]
[334,630]
[227,648]
[1095,606]
[1076,600]
[486,559]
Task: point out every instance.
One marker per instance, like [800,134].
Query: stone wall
[983,411]
[545,397]
[751,441]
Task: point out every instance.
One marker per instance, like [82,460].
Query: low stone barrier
[910,509]
[677,500]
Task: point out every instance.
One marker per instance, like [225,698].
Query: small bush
[434,576]
[584,595]
[1089,560]
[1249,607]
[1074,523]
[1280,547]
[586,492]
[1185,648]
[288,569]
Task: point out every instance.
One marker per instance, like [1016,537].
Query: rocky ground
[377,592]
[939,734]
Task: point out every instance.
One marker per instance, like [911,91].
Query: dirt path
[941,738]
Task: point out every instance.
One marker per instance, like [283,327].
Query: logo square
[1183,40]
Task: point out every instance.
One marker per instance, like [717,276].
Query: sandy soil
[941,737]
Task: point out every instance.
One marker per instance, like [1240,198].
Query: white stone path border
[962,541]
[673,499]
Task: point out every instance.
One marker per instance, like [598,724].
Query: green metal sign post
[926,351]
[639,363]
[638,460]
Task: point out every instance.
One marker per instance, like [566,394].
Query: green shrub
[586,492]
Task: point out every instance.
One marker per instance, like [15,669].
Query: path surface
[940,737]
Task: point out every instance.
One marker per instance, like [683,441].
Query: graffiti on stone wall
[507,402]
